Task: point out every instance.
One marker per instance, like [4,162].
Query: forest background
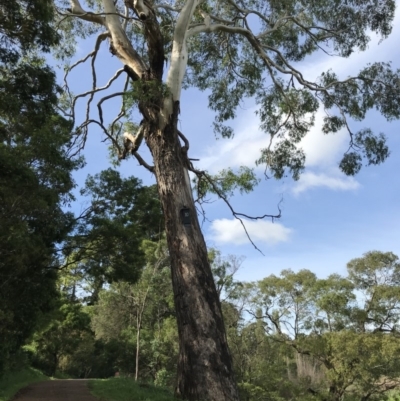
[285,338]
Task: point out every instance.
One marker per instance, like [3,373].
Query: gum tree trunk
[205,369]
[204,366]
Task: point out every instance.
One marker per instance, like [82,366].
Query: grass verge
[394,395]
[125,389]
[11,382]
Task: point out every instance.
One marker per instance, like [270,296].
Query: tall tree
[235,49]
[36,171]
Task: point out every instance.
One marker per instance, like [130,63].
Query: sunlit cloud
[323,150]
[230,231]
[337,183]
[242,150]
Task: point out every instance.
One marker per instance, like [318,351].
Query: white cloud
[322,154]
[377,50]
[322,150]
[242,150]
[231,231]
[312,180]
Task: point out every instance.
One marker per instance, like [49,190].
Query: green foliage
[226,182]
[99,338]
[346,327]
[232,68]
[25,25]
[36,175]
[125,389]
[15,380]
[66,334]
[146,92]
[163,378]
[145,309]
[106,243]
[292,336]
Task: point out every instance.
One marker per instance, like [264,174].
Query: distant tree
[347,328]
[234,49]
[125,311]
[224,270]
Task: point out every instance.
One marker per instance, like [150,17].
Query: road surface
[56,390]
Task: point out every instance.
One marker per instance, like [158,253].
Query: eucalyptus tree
[234,49]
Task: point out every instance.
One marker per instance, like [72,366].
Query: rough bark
[205,369]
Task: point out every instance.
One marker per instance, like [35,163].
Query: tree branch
[103,99]
[143,163]
[120,43]
[179,58]
[132,143]
[78,11]
[236,215]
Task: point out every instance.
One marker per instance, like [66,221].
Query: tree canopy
[348,326]
[106,241]
[36,167]
[250,49]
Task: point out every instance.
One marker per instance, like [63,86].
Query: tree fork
[205,370]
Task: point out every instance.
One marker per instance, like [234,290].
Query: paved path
[56,390]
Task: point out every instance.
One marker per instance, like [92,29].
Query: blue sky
[327,218]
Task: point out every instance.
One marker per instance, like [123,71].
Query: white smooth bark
[125,52]
[179,50]
[179,59]
[77,9]
[141,9]
[208,28]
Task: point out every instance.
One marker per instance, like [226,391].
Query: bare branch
[247,12]
[125,16]
[122,111]
[81,134]
[78,11]
[185,148]
[103,99]
[92,54]
[143,163]
[106,86]
[204,175]
[168,7]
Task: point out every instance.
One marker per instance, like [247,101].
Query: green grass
[394,395]
[11,382]
[124,389]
